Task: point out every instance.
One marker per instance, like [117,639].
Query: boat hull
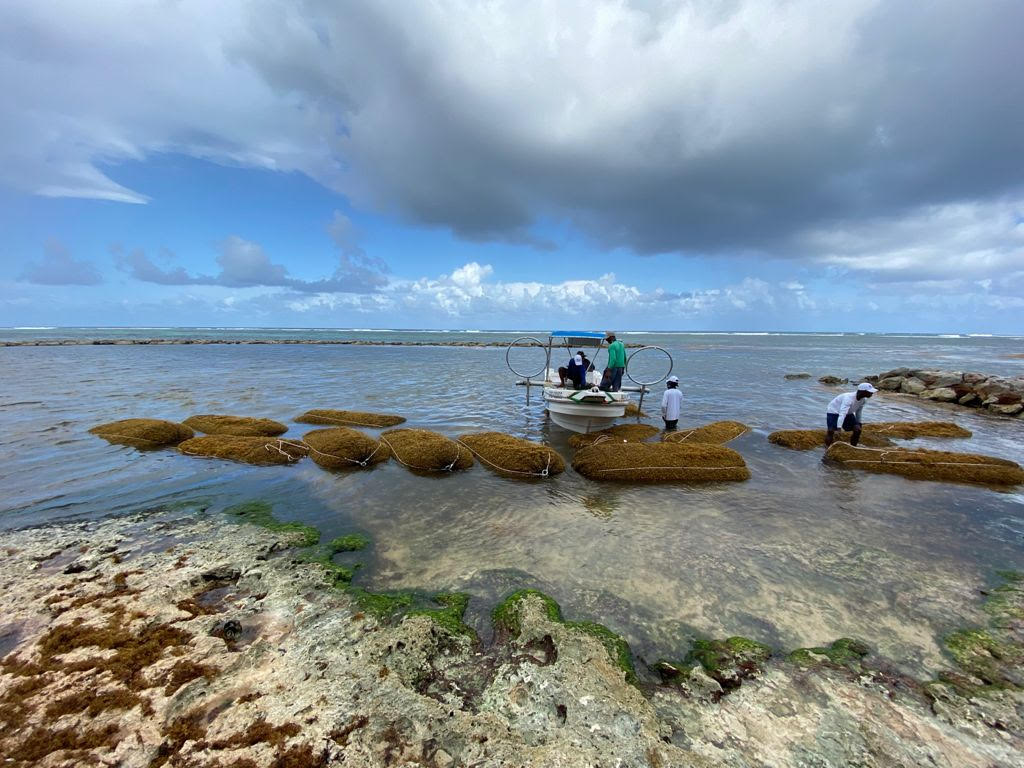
[583,417]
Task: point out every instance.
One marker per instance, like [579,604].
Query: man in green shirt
[616,364]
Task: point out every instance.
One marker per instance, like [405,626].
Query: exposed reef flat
[158,640]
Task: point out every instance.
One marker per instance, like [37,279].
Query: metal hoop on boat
[656,381]
[508,361]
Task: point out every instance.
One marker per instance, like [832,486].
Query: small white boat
[579,410]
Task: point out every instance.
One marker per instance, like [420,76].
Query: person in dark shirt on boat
[575,371]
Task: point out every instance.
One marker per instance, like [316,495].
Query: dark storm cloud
[877,109]
[691,127]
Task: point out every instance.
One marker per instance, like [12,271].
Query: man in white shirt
[671,402]
[844,411]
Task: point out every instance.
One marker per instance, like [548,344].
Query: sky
[786,165]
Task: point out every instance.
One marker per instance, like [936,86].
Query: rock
[831,381]
[941,394]
[935,379]
[795,376]
[1007,410]
[969,399]
[912,386]
[890,383]
[896,372]
[974,378]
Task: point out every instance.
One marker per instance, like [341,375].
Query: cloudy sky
[671,164]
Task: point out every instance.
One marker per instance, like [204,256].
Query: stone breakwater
[157,640]
[995,394]
[201,342]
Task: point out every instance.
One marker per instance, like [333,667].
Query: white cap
[866,387]
[673,379]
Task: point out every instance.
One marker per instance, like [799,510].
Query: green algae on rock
[844,652]
[732,660]
[261,513]
[449,616]
[351,542]
[506,619]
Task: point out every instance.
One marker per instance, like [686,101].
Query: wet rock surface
[179,645]
[1001,395]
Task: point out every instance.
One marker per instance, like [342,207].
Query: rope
[277,445]
[925,463]
[365,462]
[633,469]
[398,458]
[543,473]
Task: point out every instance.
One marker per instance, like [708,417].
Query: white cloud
[58,267]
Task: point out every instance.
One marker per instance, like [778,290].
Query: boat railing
[526,380]
[642,386]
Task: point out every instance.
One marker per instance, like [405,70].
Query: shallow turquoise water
[798,555]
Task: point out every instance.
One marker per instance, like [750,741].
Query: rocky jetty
[995,394]
[157,640]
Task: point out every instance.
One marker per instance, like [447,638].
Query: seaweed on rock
[424,451]
[921,464]
[620,433]
[349,418]
[660,462]
[250,450]
[239,426]
[513,456]
[143,433]
[717,432]
[344,448]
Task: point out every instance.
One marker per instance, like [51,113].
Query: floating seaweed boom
[717,432]
[513,456]
[251,450]
[349,418]
[143,433]
[344,448]
[660,462]
[241,426]
[620,433]
[874,435]
[928,465]
[424,451]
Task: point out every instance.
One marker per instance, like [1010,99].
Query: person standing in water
[616,364]
[671,402]
[844,412]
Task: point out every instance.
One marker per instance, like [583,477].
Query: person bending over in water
[844,411]
[670,403]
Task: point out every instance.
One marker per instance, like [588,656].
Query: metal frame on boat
[580,410]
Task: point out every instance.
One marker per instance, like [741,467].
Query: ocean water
[799,555]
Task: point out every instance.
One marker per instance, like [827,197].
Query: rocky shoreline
[996,394]
[157,640]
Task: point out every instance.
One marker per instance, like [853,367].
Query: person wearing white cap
[844,411]
[671,402]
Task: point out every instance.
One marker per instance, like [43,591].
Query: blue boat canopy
[579,338]
[578,334]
